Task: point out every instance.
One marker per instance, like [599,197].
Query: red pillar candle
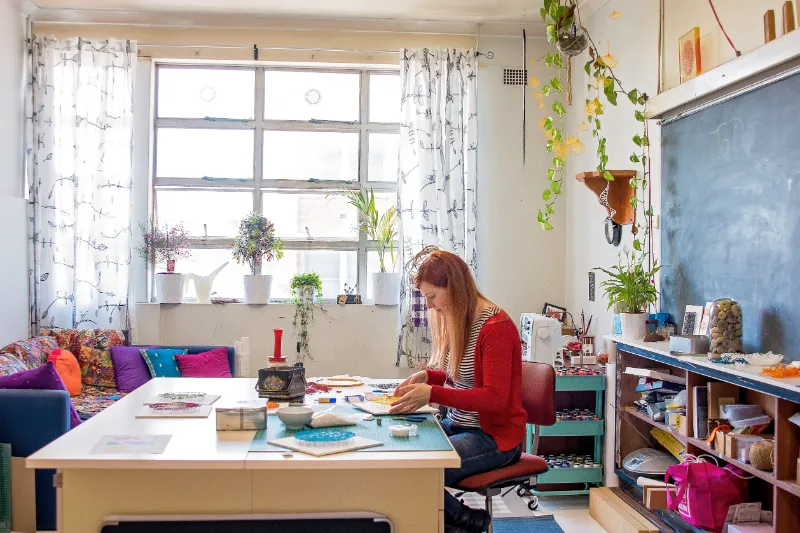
[276,349]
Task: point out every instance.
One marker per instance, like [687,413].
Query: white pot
[170,287]
[386,288]
[633,326]
[257,289]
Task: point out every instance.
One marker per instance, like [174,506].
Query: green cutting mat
[430,437]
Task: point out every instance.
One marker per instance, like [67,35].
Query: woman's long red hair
[447,270]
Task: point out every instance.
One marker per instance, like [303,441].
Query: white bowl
[295,417]
[764,359]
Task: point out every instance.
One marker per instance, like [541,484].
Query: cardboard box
[615,515]
[719,440]
[750,528]
[734,442]
[656,497]
[720,394]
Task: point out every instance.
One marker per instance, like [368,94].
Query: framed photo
[692,320]
[554,311]
[703,330]
[689,54]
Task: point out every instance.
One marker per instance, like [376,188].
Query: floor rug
[532,524]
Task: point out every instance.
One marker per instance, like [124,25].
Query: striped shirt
[466,371]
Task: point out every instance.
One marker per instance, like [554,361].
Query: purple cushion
[130,369]
[210,364]
[42,377]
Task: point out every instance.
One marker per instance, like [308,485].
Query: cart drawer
[571,475]
[573,428]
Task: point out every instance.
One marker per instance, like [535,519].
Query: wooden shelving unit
[777,490]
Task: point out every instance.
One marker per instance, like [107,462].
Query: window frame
[258,185]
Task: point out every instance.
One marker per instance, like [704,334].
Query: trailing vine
[306,295]
[558,16]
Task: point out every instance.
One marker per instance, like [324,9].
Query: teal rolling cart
[570,428]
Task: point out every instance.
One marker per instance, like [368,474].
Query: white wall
[13,241]
[520,265]
[634,43]
[355,339]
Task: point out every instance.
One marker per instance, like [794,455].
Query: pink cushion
[210,364]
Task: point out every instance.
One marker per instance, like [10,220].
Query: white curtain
[437,180]
[79,137]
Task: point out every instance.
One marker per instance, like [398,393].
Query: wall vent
[514,76]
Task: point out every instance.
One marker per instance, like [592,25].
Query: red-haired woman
[475,371]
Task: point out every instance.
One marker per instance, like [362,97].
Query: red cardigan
[497,395]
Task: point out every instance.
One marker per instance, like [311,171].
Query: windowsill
[272,304]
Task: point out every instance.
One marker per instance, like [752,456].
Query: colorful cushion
[43,377]
[65,338]
[94,399]
[210,364]
[94,355]
[130,370]
[34,351]
[161,362]
[11,364]
[67,367]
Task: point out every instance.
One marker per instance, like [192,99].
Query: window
[277,141]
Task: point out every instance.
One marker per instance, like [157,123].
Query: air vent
[514,76]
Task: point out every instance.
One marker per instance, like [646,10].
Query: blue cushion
[161,362]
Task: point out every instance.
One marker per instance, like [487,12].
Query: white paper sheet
[126,444]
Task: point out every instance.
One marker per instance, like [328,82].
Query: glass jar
[725,327]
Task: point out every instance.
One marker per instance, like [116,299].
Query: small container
[242,416]
[725,327]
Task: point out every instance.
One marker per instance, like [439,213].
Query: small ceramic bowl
[295,417]
[764,359]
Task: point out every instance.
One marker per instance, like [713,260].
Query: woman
[475,371]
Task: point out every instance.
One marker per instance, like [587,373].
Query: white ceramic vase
[633,326]
[170,287]
[257,289]
[386,288]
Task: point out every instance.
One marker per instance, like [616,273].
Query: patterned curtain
[79,139]
[437,175]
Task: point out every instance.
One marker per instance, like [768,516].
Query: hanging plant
[567,38]
[306,295]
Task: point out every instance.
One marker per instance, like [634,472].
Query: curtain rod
[256,48]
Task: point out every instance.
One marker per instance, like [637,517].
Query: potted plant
[382,230]
[165,246]
[630,290]
[306,290]
[255,244]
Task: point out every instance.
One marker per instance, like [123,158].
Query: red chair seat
[527,466]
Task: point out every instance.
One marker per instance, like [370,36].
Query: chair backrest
[538,393]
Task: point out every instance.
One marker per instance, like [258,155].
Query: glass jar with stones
[725,327]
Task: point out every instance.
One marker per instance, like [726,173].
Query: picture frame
[689,63]
[692,320]
[703,329]
[554,311]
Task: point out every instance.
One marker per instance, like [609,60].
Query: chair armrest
[32,418]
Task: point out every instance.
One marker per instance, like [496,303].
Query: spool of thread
[762,455]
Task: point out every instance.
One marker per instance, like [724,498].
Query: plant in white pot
[256,244]
[306,291]
[164,246]
[630,290]
[382,230]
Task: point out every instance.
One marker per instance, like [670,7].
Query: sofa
[31,419]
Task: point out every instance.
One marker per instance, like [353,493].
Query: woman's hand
[413,396]
[418,377]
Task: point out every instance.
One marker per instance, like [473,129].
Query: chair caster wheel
[533,504]
[522,491]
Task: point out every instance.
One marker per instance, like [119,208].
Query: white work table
[204,471]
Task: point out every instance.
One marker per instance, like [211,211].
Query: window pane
[300,215]
[385,200]
[200,93]
[304,155]
[311,95]
[335,269]
[220,211]
[384,98]
[183,153]
[373,266]
[384,149]
[229,281]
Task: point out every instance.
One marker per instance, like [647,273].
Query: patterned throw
[92,348]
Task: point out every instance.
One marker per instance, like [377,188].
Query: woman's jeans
[478,453]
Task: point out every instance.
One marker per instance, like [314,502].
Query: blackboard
[731,212]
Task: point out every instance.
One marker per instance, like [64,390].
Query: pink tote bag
[705,491]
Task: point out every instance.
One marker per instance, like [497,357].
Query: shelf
[573,428]
[571,475]
[620,192]
[580,383]
[750,469]
[788,486]
[672,431]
